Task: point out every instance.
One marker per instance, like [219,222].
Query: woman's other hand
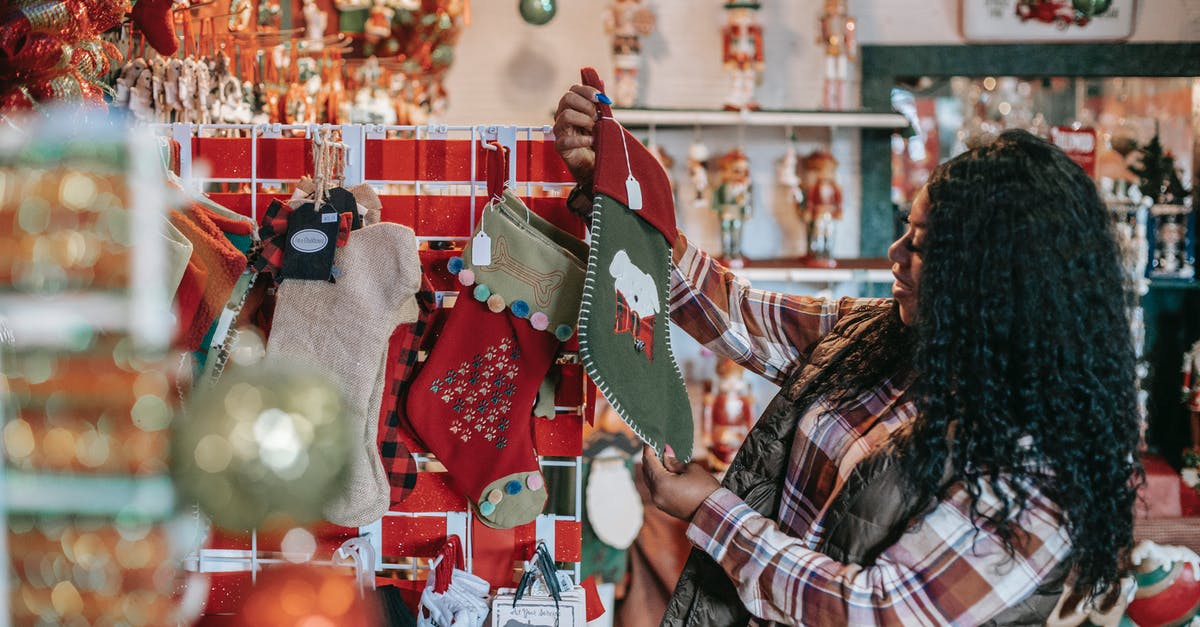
[675,487]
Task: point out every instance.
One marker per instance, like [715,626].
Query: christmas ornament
[624,340]
[822,204]
[1091,8]
[1168,585]
[729,414]
[537,12]
[154,19]
[742,53]
[841,49]
[614,507]
[301,596]
[262,443]
[626,22]
[697,166]
[733,202]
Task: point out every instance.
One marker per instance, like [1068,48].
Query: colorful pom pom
[466,277]
[539,321]
[455,265]
[486,508]
[495,303]
[535,481]
[563,332]
[513,487]
[482,292]
[520,309]
[495,496]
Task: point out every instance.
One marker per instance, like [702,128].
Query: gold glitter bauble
[264,443]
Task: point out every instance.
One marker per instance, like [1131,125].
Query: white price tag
[326,218]
[633,190]
[481,250]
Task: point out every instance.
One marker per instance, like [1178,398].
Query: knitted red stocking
[154,19]
[472,403]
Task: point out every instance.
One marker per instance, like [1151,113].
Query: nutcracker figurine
[729,415]
[733,203]
[315,21]
[697,166]
[1191,391]
[841,49]
[379,21]
[822,204]
[627,21]
[742,53]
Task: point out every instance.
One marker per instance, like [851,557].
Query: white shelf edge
[698,117]
[815,275]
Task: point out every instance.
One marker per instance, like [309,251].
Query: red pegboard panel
[570,386]
[560,437]
[432,493]
[285,158]
[241,202]
[417,160]
[492,554]
[539,161]
[568,541]
[524,542]
[226,591]
[413,536]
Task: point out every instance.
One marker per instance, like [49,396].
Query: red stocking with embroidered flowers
[472,406]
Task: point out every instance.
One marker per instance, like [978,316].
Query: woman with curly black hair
[963,453]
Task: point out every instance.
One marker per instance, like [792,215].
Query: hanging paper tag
[326,218]
[310,244]
[222,330]
[481,250]
[633,190]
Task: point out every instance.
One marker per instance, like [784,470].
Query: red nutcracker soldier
[729,415]
[1191,392]
[841,49]
[822,204]
[627,21]
[742,53]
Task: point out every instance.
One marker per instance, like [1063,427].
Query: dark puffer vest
[867,516]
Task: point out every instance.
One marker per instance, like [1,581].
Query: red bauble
[1169,596]
[301,595]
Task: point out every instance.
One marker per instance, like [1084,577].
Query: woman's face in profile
[906,256]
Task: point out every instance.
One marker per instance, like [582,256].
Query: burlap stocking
[343,328]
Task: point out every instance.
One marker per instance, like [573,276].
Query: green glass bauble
[265,442]
[1091,8]
[537,12]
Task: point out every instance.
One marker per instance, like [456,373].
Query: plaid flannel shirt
[941,571]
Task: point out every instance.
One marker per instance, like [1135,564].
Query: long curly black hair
[1023,344]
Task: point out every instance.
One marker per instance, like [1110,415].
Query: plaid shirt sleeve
[769,333]
[942,571]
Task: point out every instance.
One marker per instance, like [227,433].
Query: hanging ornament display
[414,41]
[537,12]
[50,50]
[263,444]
